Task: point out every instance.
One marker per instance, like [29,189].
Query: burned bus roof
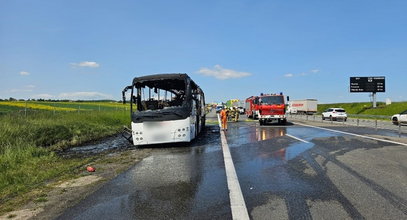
[170,80]
[163,76]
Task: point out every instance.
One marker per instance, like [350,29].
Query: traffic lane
[173,183]
[212,115]
[383,133]
[368,123]
[268,183]
[285,178]
[379,163]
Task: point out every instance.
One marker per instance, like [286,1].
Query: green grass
[365,108]
[28,144]
[7,109]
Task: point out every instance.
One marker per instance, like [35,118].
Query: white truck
[307,106]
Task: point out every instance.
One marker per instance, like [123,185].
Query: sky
[233,49]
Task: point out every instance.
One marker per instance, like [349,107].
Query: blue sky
[92,49]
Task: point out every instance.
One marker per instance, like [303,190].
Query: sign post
[374,99]
[371,84]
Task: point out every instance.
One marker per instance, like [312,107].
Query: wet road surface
[285,172]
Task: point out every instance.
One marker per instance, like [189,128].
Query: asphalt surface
[292,171]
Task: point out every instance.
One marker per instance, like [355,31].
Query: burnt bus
[165,108]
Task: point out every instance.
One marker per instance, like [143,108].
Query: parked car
[399,118]
[241,110]
[334,114]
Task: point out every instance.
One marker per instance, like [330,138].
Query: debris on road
[90,169]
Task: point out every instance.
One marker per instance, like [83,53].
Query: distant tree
[12,99]
[21,100]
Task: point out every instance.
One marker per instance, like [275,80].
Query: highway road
[302,170]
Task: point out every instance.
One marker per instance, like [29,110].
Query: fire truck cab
[267,108]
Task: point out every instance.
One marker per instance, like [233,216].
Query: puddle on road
[247,135]
[296,149]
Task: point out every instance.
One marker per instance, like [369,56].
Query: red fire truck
[266,108]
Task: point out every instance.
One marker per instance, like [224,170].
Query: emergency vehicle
[266,108]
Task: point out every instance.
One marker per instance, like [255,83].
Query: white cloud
[90,64]
[43,96]
[220,73]
[20,90]
[84,96]
[315,71]
[24,73]
[288,75]
[27,88]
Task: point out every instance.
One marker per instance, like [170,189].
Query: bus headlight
[181,132]
[137,135]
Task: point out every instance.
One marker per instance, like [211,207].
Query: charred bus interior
[165,97]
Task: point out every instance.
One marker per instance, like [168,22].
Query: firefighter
[231,113]
[236,111]
[224,119]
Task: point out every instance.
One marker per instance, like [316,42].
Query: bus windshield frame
[162,97]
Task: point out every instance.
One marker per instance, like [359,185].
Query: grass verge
[365,108]
[27,147]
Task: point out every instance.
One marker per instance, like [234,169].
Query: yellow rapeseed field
[35,106]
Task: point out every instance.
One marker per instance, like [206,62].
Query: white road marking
[299,139]
[237,203]
[220,125]
[356,135]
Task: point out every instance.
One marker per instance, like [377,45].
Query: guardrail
[370,123]
[385,117]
